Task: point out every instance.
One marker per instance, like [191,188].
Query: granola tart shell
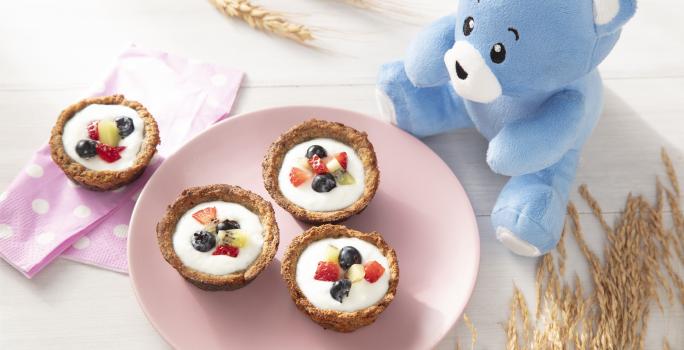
[331,319]
[104,180]
[193,196]
[312,129]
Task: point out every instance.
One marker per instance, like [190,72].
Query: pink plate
[420,208]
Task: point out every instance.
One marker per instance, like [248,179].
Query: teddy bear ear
[611,15]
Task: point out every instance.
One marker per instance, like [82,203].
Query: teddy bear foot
[511,241]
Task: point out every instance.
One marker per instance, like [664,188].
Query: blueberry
[348,257]
[203,241]
[323,183]
[86,148]
[125,126]
[317,150]
[226,225]
[340,289]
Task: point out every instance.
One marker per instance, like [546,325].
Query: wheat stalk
[640,261]
[263,19]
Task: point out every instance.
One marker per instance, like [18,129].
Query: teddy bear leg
[530,212]
[421,111]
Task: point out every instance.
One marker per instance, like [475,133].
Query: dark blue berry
[203,241]
[323,183]
[125,126]
[340,289]
[348,257]
[317,150]
[226,225]
[86,148]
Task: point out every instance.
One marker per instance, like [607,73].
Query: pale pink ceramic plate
[420,208]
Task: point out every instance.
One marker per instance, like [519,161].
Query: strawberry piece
[342,158]
[298,176]
[93,133]
[318,165]
[373,271]
[108,153]
[227,250]
[205,216]
[327,271]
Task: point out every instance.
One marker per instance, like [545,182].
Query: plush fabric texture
[523,72]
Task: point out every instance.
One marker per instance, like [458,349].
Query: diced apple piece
[356,273]
[109,133]
[332,254]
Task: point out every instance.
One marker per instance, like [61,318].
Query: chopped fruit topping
[373,271]
[340,289]
[303,163]
[211,227]
[238,238]
[318,165]
[125,126]
[108,132]
[227,250]
[92,130]
[356,273]
[332,254]
[349,256]
[203,241]
[327,271]
[334,166]
[108,153]
[222,238]
[298,176]
[342,158]
[344,178]
[86,149]
[226,225]
[323,183]
[316,150]
[205,216]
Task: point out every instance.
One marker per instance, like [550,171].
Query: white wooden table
[51,51]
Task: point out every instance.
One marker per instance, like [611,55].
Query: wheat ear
[263,19]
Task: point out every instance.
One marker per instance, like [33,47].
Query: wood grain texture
[50,52]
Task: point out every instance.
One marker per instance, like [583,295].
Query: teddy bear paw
[511,241]
[386,107]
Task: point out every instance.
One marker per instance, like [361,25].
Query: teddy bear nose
[460,72]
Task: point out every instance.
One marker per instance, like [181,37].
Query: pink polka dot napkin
[44,215]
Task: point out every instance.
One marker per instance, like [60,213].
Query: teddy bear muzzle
[470,75]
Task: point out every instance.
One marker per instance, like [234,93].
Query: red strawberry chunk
[342,158]
[318,165]
[205,216]
[298,176]
[373,271]
[92,130]
[227,250]
[108,153]
[327,271]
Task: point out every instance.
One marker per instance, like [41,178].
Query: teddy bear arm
[424,61]
[541,140]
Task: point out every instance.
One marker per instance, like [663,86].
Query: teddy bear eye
[498,53]
[468,26]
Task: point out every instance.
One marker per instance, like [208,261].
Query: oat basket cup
[341,278]
[103,143]
[218,237]
[321,172]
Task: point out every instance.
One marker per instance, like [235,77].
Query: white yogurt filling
[362,294]
[218,264]
[76,129]
[304,196]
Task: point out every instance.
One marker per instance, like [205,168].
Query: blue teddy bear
[523,72]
